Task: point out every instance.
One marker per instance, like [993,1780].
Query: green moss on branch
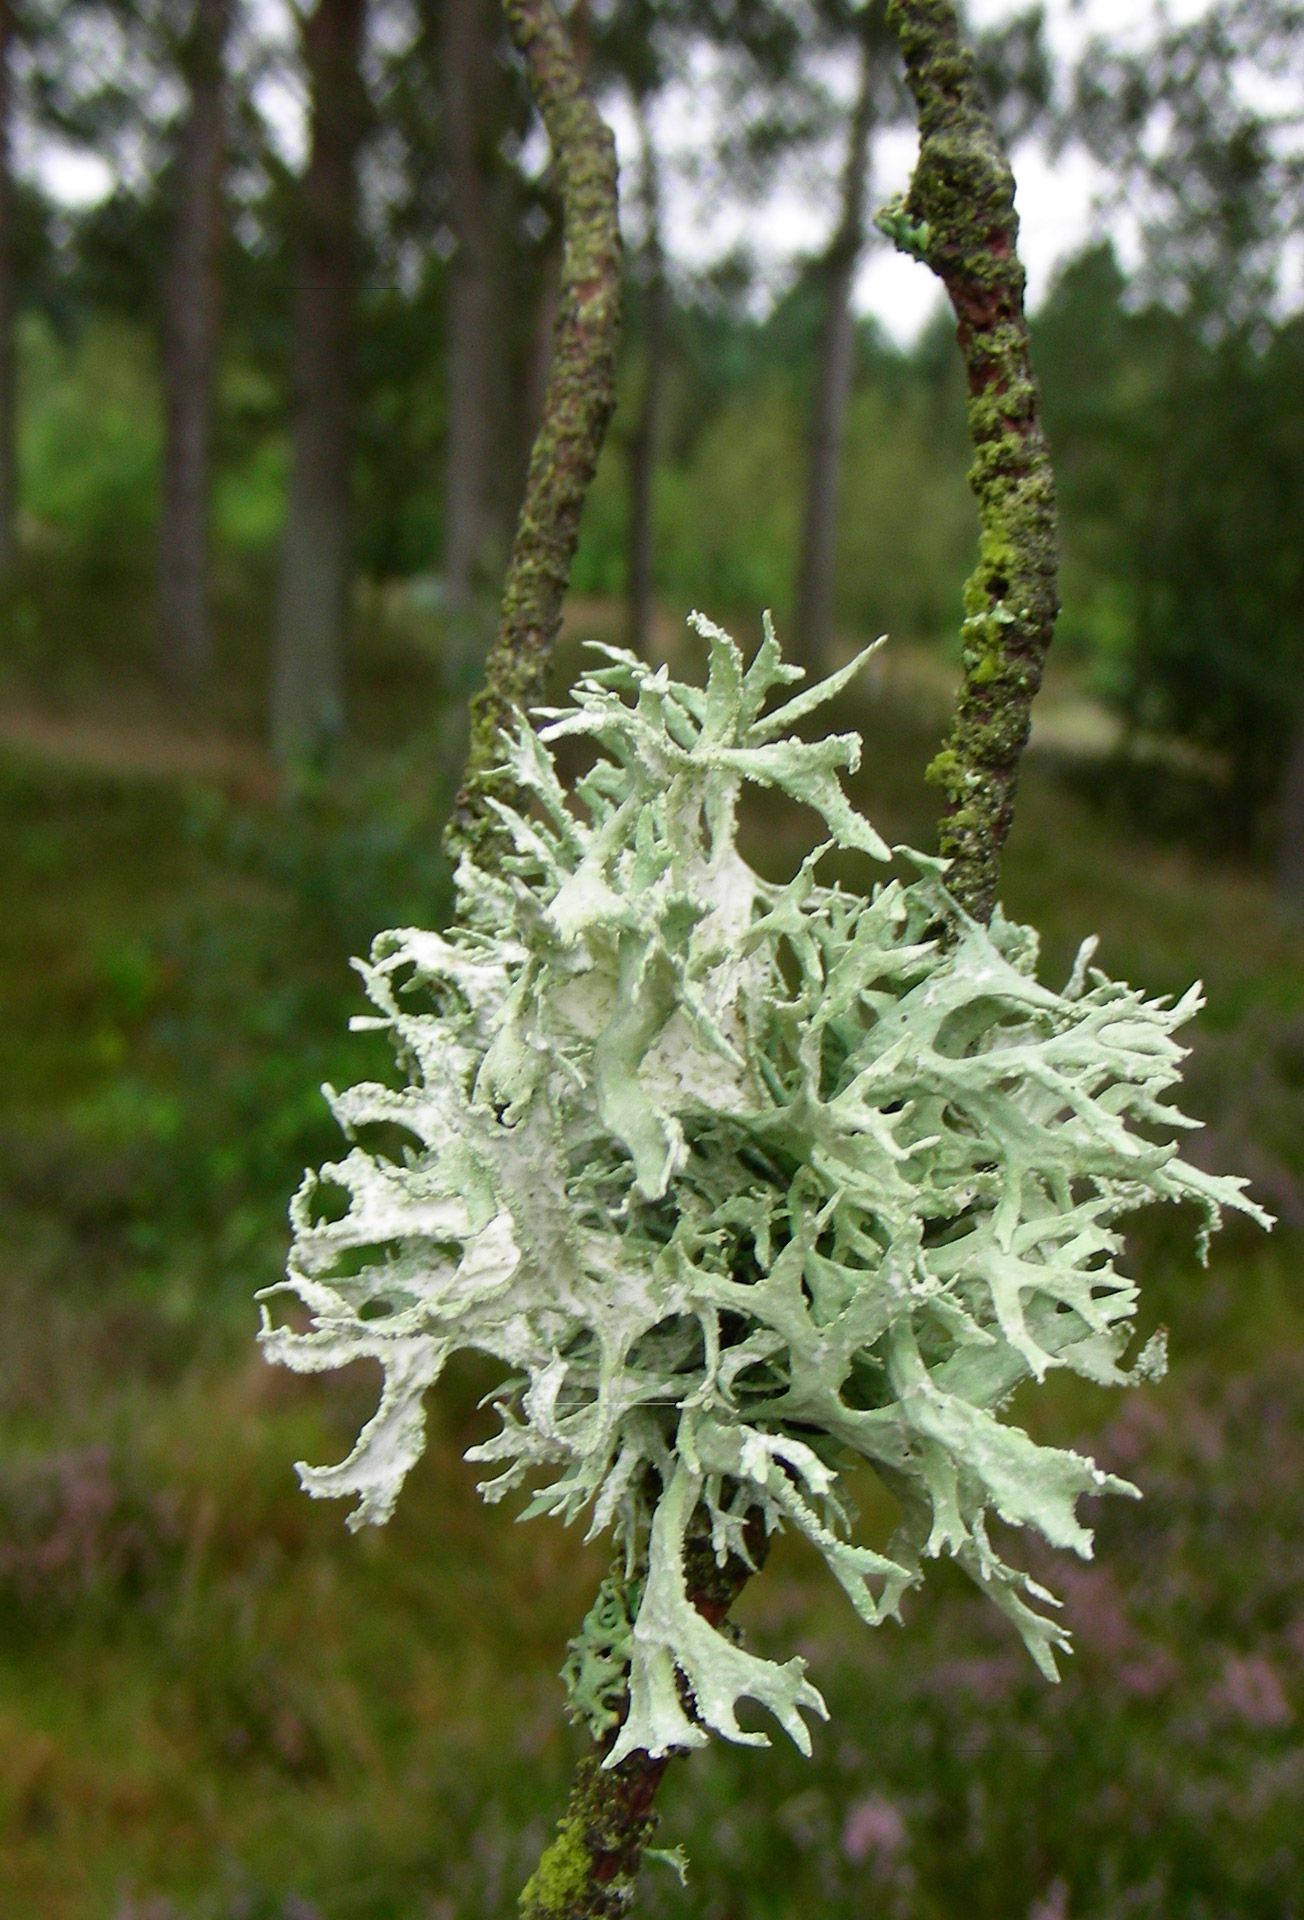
[590,1869]
[959,217]
[580,397]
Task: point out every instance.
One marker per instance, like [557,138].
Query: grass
[214,1702]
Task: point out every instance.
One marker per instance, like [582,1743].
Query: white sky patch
[72,177]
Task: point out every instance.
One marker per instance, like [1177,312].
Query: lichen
[596,1672]
[744,1185]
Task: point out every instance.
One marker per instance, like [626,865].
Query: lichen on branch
[589,1870]
[959,217]
[578,401]
[745,1186]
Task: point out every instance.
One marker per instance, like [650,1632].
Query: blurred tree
[782,113]
[878,97]
[164,96]
[28,32]
[643,442]
[468,234]
[633,47]
[478,114]
[1201,121]
[190,310]
[315,569]
[8,469]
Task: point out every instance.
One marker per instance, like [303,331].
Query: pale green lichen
[907,235]
[596,1672]
[744,1185]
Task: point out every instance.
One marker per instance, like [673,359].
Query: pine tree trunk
[475,322]
[189,336]
[833,383]
[1290,830]
[313,595]
[643,441]
[8,463]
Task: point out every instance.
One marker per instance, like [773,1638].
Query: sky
[1057,198]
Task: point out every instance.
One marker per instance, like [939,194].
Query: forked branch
[959,216]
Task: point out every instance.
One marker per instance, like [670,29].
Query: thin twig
[959,217]
[578,403]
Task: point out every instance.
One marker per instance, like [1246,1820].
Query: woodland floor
[214,1702]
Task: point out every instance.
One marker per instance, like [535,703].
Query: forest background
[263,428]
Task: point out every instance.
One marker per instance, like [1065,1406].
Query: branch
[580,398]
[590,1869]
[959,217]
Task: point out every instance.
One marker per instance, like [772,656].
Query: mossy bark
[959,217]
[590,1869]
[578,403]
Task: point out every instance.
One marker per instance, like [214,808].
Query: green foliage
[744,1184]
[90,430]
[728,503]
[731,521]
[1181,469]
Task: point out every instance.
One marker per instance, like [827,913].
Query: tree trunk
[313,596]
[476,368]
[189,335]
[833,382]
[1290,830]
[8,465]
[643,441]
